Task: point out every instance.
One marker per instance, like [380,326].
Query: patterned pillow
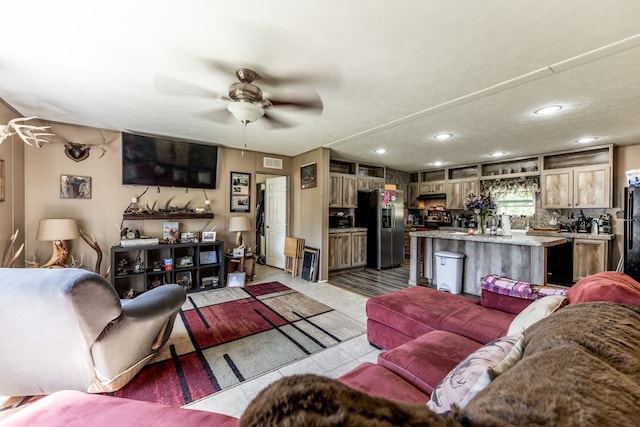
[475,372]
[538,310]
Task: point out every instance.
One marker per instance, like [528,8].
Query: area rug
[226,336]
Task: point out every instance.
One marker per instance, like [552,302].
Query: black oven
[560,264]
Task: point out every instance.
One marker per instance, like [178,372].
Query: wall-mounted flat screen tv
[166,162]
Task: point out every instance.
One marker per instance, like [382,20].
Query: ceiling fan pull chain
[244,137]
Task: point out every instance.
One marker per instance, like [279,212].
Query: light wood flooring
[372,282]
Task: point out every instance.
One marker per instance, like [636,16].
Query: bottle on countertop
[594,226]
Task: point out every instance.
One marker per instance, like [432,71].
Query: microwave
[340,221]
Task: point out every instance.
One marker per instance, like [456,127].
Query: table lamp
[57,230]
[239,224]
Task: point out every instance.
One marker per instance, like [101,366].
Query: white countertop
[517,238]
[347,230]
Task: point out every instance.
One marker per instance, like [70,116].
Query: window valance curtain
[514,186]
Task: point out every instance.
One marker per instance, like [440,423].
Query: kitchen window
[514,196]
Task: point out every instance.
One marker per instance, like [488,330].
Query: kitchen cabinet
[590,257]
[339,251]
[581,187]
[359,249]
[347,249]
[343,192]
[458,190]
[367,183]
[434,187]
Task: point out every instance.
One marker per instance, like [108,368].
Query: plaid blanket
[518,289]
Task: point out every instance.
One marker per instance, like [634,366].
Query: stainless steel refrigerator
[632,233]
[382,212]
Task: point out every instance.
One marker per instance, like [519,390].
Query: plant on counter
[482,205]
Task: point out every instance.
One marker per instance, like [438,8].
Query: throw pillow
[537,310]
[610,286]
[475,372]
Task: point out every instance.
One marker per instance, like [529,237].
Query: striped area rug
[225,336]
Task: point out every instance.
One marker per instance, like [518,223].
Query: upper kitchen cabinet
[370,177]
[578,180]
[460,183]
[343,191]
[433,182]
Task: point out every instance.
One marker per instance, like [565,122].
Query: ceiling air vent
[272,163]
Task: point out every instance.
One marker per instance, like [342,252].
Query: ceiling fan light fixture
[246,112]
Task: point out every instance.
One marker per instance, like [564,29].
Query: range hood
[433,196]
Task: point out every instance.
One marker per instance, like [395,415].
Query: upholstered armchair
[66,328]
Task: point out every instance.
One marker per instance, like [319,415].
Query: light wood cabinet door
[335,190]
[557,189]
[592,187]
[467,187]
[349,191]
[454,194]
[438,187]
[358,249]
[339,251]
[365,183]
[378,183]
[413,191]
[589,257]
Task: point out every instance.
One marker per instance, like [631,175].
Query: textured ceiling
[391,74]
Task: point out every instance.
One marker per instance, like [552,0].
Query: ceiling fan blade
[167,85]
[219,115]
[275,122]
[309,104]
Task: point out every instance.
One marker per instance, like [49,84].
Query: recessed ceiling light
[548,110]
[438,163]
[498,154]
[381,151]
[443,136]
[586,139]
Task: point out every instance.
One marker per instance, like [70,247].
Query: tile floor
[332,362]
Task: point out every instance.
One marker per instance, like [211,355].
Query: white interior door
[275,220]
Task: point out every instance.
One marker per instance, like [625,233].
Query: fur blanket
[581,367]
[316,401]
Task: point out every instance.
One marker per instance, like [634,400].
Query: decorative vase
[482,223]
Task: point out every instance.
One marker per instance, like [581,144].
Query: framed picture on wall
[240,192]
[75,187]
[1,180]
[308,175]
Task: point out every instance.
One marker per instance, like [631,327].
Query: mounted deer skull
[37,136]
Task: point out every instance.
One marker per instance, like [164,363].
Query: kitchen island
[518,256]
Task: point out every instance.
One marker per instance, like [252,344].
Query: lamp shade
[57,229]
[239,223]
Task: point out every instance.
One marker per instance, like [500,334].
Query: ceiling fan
[247,103]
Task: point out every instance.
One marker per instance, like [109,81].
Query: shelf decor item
[240,192]
[170,231]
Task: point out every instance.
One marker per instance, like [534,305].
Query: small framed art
[209,236]
[75,187]
[308,174]
[240,192]
[184,279]
[236,279]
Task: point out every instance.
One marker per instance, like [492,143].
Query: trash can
[449,271]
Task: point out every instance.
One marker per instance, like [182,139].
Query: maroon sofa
[426,333]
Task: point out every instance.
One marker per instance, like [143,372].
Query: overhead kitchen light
[381,151]
[437,163]
[498,154]
[586,139]
[443,136]
[548,110]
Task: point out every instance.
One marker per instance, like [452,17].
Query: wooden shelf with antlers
[161,215]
